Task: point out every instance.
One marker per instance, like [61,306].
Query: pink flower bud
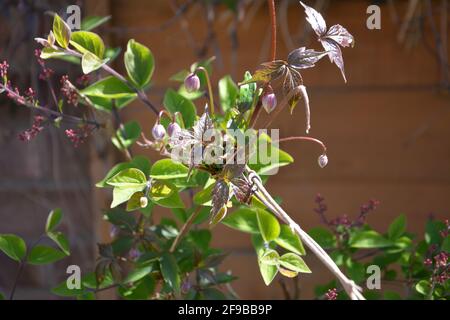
[158,131]
[173,129]
[269,102]
[192,82]
[323,160]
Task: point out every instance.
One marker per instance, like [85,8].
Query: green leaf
[140,291]
[61,31]
[369,239]
[323,237]
[289,240]
[446,244]
[139,63]
[228,93]
[137,274]
[134,203]
[294,262]
[243,219]
[110,88]
[53,220]
[397,227]
[86,41]
[201,238]
[120,218]
[128,135]
[2,296]
[128,178]
[423,287]
[391,295]
[90,62]
[62,290]
[44,255]
[432,231]
[267,158]
[169,270]
[138,162]
[106,104]
[175,102]
[270,257]
[13,246]
[168,169]
[356,271]
[121,195]
[268,272]
[204,196]
[61,240]
[173,201]
[246,93]
[92,22]
[268,225]
[161,190]
[48,53]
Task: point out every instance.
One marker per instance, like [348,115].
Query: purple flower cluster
[35,129]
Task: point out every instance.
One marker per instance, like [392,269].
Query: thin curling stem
[210,91]
[303,138]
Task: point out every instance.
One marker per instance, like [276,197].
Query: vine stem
[264,196]
[183,229]
[140,94]
[210,91]
[273,24]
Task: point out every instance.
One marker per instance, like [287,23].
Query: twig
[66,117]
[140,94]
[264,196]
[184,228]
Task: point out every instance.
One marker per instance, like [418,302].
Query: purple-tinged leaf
[202,125]
[268,72]
[241,189]
[220,196]
[339,34]
[331,39]
[303,58]
[335,54]
[315,19]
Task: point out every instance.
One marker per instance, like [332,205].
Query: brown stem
[141,94]
[183,229]
[273,24]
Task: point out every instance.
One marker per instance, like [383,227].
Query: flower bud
[192,82]
[323,160]
[173,129]
[158,131]
[143,202]
[269,102]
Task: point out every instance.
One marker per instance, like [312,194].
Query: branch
[66,117]
[183,229]
[264,196]
[140,94]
